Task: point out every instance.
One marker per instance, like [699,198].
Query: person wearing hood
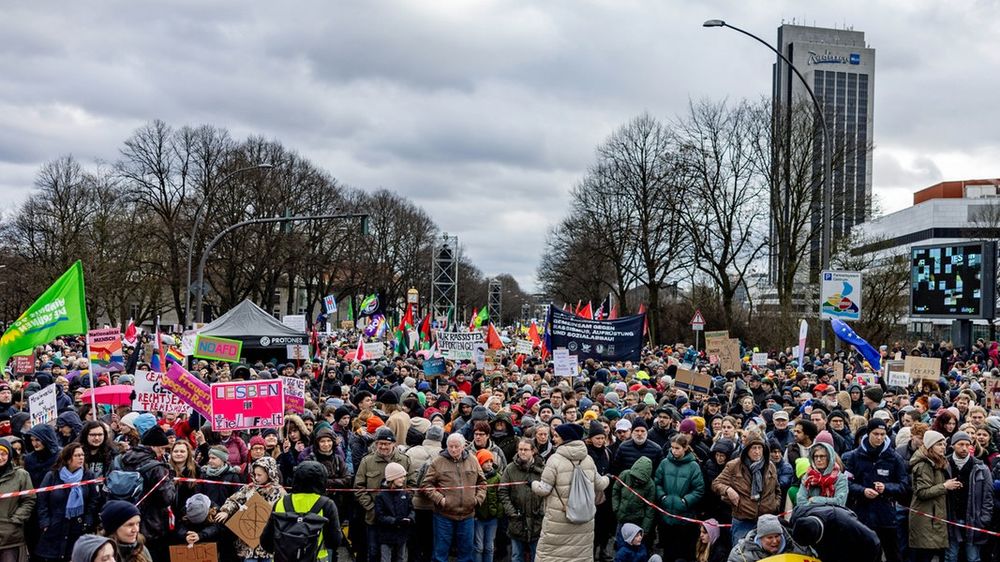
[324,451]
[972,503]
[638,445]
[504,435]
[66,514]
[454,484]
[463,414]
[267,483]
[712,505]
[219,476]
[679,489]
[20,424]
[479,414]
[628,506]
[824,482]
[68,425]
[371,472]
[294,440]
[768,538]
[308,489]
[709,548]
[786,472]
[931,483]
[749,483]
[631,545]
[93,548]
[562,539]
[157,488]
[880,480]
[523,508]
[14,512]
[857,399]
[44,452]
[64,402]
[835,533]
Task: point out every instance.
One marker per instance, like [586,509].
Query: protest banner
[603,340]
[479,354]
[524,347]
[151,397]
[725,352]
[24,364]
[923,368]
[42,406]
[867,379]
[898,378]
[374,350]
[716,334]
[693,380]
[459,346]
[434,366]
[197,552]
[61,310]
[239,405]
[564,364]
[105,347]
[330,303]
[297,352]
[189,388]
[250,519]
[295,394]
[216,348]
[759,359]
[296,322]
[838,371]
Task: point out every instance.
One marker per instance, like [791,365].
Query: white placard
[297,352]
[759,359]
[524,346]
[42,406]
[564,363]
[840,295]
[458,346]
[296,322]
[898,378]
[374,350]
[150,396]
[479,354]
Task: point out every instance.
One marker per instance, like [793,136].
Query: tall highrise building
[840,68]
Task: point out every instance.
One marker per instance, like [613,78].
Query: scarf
[826,483]
[756,477]
[960,462]
[215,472]
[74,502]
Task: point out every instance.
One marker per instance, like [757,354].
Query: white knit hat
[931,437]
[393,471]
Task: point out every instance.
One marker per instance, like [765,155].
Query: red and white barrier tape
[49,488]
[955,523]
[660,509]
[494,485]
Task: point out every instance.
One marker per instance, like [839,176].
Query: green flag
[60,311]
[482,318]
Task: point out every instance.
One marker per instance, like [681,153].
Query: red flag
[645,321]
[519,361]
[425,329]
[586,312]
[566,307]
[493,338]
[472,323]
[533,334]
[130,332]
[577,311]
[614,312]
[359,355]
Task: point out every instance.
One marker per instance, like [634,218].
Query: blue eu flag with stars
[846,334]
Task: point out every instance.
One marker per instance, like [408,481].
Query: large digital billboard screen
[953,281]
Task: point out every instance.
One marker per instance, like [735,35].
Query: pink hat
[824,437]
[257,440]
[532,401]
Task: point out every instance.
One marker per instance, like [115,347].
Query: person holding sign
[267,483]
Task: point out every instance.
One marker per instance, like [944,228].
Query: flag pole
[92,376]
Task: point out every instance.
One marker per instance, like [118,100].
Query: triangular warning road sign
[698,318]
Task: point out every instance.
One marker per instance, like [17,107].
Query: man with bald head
[453,484]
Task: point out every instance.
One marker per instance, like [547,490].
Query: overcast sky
[484,113]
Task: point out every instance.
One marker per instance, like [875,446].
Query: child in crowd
[632,549]
[393,515]
[488,511]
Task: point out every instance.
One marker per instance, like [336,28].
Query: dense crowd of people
[619,463]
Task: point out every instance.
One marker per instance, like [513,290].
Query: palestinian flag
[533,334]
[406,325]
[424,332]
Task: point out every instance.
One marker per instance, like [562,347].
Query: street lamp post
[199,312]
[826,242]
[198,215]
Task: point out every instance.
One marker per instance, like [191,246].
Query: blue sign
[434,366]
[855,58]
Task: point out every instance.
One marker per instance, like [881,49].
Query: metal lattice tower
[444,279]
[494,299]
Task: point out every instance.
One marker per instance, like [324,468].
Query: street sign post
[697,324]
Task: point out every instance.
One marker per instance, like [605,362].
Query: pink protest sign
[191,390]
[248,405]
[295,394]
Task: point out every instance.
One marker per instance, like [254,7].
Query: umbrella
[115,394]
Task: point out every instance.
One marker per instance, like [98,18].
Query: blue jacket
[629,553]
[59,534]
[867,466]
[38,463]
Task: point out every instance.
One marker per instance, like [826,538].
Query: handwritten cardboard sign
[693,380]
[564,363]
[42,406]
[248,522]
[151,397]
[295,394]
[197,552]
[241,405]
[923,368]
[898,378]
[222,349]
[523,346]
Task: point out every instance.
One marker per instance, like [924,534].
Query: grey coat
[980,511]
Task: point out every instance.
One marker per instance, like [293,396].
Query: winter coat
[39,463]
[59,534]
[631,553]
[524,509]
[628,452]
[748,550]
[867,466]
[712,504]
[155,523]
[784,437]
[562,540]
[507,443]
[336,467]
[71,420]
[929,496]
[238,450]
[679,487]
[498,457]
[270,494]
[14,512]
[218,493]
[371,473]
[399,423]
[463,476]
[844,536]
[786,475]
[737,476]
[980,509]
[813,495]
[628,507]
[391,508]
[358,445]
[490,508]
[420,456]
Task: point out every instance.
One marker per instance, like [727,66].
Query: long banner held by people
[604,340]
[60,311]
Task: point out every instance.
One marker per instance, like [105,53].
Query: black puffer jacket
[629,452]
[155,522]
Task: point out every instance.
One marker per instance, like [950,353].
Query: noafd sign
[223,349]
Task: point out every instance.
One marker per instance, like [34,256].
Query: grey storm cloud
[485,113]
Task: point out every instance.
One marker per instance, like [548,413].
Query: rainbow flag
[173,355]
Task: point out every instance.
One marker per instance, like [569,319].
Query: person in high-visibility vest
[308,482]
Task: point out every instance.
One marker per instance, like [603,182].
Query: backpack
[126,485]
[581,506]
[296,536]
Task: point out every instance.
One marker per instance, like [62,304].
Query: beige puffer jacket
[419,456]
[562,540]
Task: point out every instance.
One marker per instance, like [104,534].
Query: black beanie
[570,432]
[340,412]
[596,428]
[155,437]
[115,514]
[808,530]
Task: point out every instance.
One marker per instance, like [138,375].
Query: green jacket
[929,496]
[629,508]
[524,508]
[14,512]
[490,508]
[679,486]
